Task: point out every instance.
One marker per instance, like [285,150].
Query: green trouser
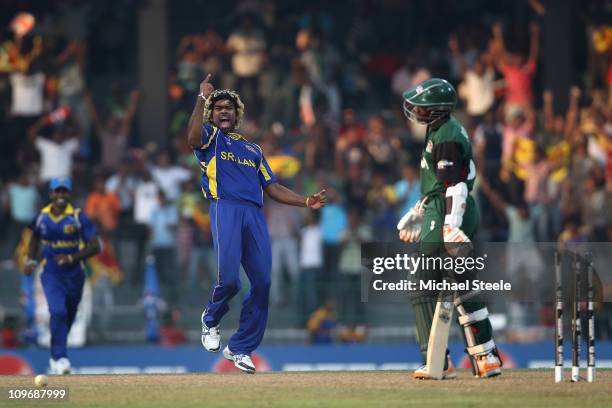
[432,244]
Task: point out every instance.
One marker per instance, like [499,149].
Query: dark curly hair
[221,94]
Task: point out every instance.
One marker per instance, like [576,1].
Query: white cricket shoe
[422,373]
[241,361]
[211,338]
[52,367]
[60,366]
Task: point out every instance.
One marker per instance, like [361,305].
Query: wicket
[579,261]
[558,319]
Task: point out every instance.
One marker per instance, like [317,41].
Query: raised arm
[549,116]
[34,130]
[131,111]
[283,195]
[497,47]
[571,115]
[196,121]
[93,112]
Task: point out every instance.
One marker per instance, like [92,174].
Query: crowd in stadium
[325,106]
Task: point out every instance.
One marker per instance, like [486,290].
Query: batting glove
[409,225]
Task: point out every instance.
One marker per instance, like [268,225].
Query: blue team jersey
[62,234]
[232,167]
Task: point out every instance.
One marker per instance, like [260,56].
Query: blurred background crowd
[322,86]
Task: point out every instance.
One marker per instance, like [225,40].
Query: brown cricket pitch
[524,388]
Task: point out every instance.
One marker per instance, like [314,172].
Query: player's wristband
[201,95]
[70,258]
[308,202]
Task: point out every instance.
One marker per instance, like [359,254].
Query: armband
[458,196]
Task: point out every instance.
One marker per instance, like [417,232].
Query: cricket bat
[438,337]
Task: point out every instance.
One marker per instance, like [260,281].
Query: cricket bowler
[67,237]
[445,220]
[235,175]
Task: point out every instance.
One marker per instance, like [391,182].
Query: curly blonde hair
[220,94]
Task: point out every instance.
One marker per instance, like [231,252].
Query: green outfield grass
[515,388]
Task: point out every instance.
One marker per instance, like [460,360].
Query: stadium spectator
[536,194]
[189,65]
[322,324]
[320,60]
[247,45]
[202,256]
[333,222]
[573,231]
[356,186]
[518,148]
[123,183]
[594,209]
[56,152]
[113,130]
[169,176]
[146,201]
[186,231]
[407,190]
[22,201]
[381,205]
[311,264]
[381,146]
[356,233]
[478,83]
[26,80]
[283,228]
[520,225]
[163,224]
[523,261]
[28,97]
[170,334]
[402,77]
[350,145]
[103,207]
[71,82]
[211,47]
[517,71]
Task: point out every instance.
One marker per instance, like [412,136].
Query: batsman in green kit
[445,221]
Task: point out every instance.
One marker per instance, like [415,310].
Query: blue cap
[57,182]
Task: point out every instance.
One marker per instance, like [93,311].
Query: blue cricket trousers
[63,289]
[240,236]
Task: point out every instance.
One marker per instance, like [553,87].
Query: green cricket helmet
[435,95]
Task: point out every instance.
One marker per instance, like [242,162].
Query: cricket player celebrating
[449,218]
[235,175]
[67,237]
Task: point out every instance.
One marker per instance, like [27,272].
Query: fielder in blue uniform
[235,176]
[66,237]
